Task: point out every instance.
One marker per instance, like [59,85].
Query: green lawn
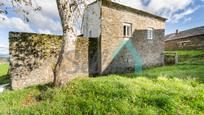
[177,89]
[191,53]
[3,74]
[190,69]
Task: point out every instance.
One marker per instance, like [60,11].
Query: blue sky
[181,14]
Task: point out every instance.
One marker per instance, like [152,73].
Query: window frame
[127,30]
[150,33]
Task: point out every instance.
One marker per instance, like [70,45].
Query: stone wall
[150,51]
[189,43]
[75,63]
[32,58]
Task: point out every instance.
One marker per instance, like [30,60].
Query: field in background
[176,89]
[191,53]
[184,56]
[4,74]
[188,55]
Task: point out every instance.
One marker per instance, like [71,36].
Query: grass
[177,89]
[113,95]
[191,69]
[3,74]
[189,56]
[191,53]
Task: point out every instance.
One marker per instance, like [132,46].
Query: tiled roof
[187,33]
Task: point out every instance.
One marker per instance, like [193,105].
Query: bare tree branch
[20,7]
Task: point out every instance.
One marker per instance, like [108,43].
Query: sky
[181,14]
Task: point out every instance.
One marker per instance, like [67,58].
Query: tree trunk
[68,45]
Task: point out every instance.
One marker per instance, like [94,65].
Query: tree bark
[68,44]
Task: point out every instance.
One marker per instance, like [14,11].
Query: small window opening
[150,33]
[127,30]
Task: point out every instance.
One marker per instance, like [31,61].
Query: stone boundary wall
[82,62]
[75,63]
[32,58]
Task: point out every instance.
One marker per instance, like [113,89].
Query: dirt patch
[30,99]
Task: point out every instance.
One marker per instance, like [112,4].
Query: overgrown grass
[119,95]
[10,100]
[187,56]
[175,89]
[190,69]
[191,53]
[4,73]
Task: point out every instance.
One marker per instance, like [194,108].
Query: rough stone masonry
[33,58]
[105,20]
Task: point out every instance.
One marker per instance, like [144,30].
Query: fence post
[163,58]
[176,58]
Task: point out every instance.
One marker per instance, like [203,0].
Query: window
[150,33]
[127,30]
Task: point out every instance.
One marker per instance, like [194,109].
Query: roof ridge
[186,33]
[138,10]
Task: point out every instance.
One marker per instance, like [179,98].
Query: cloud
[170,6]
[3,49]
[175,18]
[39,21]
[14,24]
[44,31]
[47,18]
[132,3]
[174,10]
[3,46]
[4,52]
[187,19]
[49,9]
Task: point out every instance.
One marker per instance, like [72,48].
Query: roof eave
[141,11]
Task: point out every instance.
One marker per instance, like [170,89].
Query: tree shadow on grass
[43,89]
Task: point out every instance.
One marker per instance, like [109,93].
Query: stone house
[192,39]
[116,39]
[112,24]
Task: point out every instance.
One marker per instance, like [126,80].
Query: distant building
[192,39]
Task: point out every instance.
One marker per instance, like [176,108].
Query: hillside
[177,89]
[3,74]
[3,58]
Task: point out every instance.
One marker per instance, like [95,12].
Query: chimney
[177,31]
